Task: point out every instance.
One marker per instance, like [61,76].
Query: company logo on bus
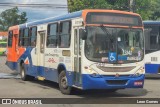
[117,75]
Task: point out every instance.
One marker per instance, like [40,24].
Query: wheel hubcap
[64,82]
[22,73]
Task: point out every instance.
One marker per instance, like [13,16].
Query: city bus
[152,46]
[88,49]
[3,46]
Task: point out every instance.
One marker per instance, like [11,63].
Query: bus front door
[77,58]
[40,54]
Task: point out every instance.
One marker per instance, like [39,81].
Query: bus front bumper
[112,82]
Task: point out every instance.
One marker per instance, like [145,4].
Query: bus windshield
[3,45]
[126,45]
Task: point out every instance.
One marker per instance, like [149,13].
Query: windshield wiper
[107,32]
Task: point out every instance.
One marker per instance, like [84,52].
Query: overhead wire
[34,5]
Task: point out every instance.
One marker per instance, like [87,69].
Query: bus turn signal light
[137,83]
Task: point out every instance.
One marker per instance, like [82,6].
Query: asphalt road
[17,88]
[13,87]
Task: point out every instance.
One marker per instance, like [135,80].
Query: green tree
[119,4]
[145,8]
[76,5]
[11,17]
[155,10]
[148,9]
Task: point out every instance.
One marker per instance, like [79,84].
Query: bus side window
[26,37]
[33,35]
[65,33]
[20,37]
[10,37]
[154,37]
[75,42]
[52,35]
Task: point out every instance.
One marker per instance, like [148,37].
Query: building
[3,35]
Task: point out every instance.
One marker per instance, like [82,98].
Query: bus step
[40,78]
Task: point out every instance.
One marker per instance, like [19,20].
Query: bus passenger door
[40,52]
[77,58]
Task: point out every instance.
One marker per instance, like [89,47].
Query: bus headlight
[139,72]
[96,75]
[93,73]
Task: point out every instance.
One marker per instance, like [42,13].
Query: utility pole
[68,6]
[132,4]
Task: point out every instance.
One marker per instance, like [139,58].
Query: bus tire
[64,88]
[23,75]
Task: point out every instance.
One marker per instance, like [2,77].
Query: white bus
[88,49]
[152,46]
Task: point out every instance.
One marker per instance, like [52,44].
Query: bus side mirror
[83,34]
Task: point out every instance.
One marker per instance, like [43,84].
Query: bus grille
[116,82]
[116,69]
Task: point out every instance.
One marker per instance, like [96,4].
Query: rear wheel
[63,84]
[24,77]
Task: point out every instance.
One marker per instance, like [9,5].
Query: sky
[37,13]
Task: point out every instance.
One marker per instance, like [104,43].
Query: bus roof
[53,19]
[151,22]
[70,16]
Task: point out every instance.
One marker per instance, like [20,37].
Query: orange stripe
[113,26]
[27,62]
[109,11]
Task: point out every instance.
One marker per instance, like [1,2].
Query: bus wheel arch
[21,62]
[61,67]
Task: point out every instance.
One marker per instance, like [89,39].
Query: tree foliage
[76,5]
[155,10]
[148,9]
[11,17]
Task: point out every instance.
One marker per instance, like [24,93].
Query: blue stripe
[152,68]
[12,65]
[48,73]
[26,54]
[101,83]
[88,82]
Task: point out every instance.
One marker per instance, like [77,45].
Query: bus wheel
[24,77]
[64,88]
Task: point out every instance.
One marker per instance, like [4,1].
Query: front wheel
[63,84]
